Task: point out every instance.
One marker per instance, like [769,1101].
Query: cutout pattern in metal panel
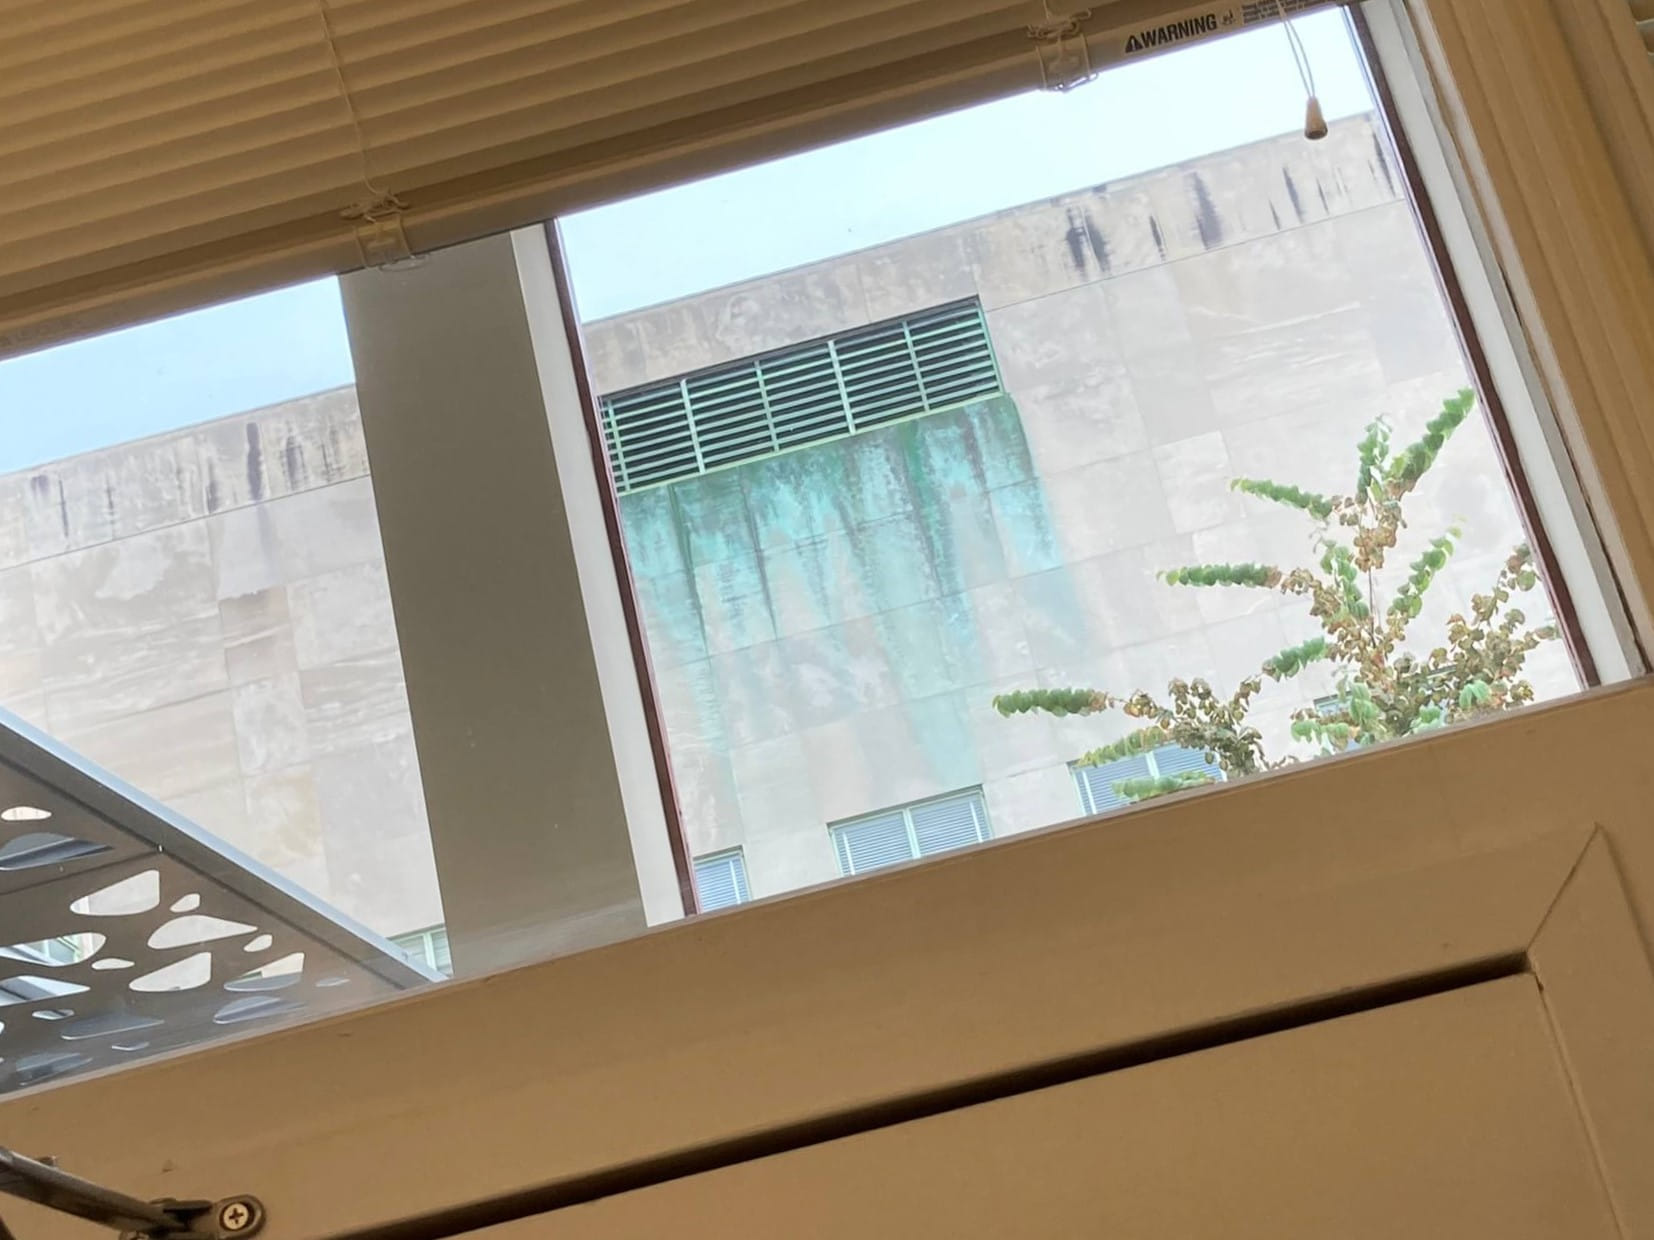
[126,931]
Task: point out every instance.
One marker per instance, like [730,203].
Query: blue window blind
[811,392]
[921,830]
[1097,783]
[721,880]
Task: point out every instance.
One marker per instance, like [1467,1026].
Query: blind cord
[1315,121]
[379,202]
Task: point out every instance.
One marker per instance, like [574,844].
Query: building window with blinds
[429,948]
[1115,784]
[721,880]
[910,832]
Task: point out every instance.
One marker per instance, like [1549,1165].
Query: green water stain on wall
[823,582]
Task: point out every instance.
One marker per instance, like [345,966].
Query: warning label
[1205,22]
[1173,32]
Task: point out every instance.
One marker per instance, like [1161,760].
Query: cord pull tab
[1315,121]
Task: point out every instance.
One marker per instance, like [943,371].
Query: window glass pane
[958,468]
[197,627]
[923,476]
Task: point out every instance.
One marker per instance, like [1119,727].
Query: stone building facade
[829,626]
[206,613]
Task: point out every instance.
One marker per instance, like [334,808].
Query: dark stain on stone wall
[1206,214]
[1159,237]
[41,485]
[292,460]
[1292,194]
[255,463]
[1383,158]
[214,497]
[1076,239]
[1099,244]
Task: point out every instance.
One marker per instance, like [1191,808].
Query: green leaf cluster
[1058,702]
[1255,576]
[1149,787]
[1365,608]
[1318,506]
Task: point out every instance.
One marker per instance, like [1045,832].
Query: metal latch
[230,1218]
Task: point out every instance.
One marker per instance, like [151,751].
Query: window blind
[1098,785]
[893,836]
[872,843]
[943,826]
[163,153]
[721,880]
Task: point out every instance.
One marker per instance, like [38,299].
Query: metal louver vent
[762,405]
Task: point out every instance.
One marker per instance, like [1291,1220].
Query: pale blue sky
[241,355]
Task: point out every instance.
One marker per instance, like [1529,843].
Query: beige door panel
[1448,1116]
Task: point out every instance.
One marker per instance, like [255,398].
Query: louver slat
[806,394]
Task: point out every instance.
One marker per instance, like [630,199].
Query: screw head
[239,1215]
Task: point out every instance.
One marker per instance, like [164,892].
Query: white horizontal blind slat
[162,149]
[214,132]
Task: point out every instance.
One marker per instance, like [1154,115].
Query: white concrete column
[529,823]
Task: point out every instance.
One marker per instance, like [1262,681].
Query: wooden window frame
[1032,961]
[1467,854]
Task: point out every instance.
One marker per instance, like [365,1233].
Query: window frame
[1259,902]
